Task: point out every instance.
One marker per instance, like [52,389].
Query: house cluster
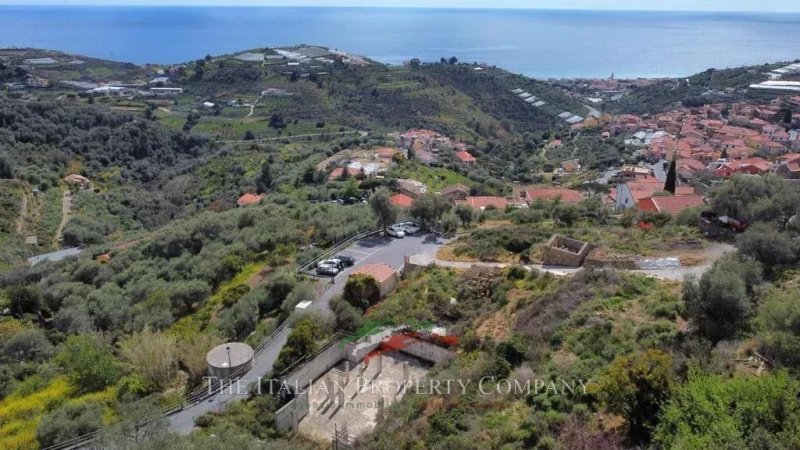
[639,189]
[425,146]
[718,141]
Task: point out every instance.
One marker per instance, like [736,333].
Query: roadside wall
[428,352]
[313,369]
[287,418]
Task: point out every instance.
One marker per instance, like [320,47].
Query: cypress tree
[672,176]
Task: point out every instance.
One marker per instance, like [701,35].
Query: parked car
[410,227]
[331,262]
[327,269]
[396,231]
[347,261]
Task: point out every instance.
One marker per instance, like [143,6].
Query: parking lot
[378,249]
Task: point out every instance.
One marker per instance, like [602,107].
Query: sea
[536,43]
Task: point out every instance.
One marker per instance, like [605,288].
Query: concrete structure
[563,251]
[229,359]
[360,402]
[349,384]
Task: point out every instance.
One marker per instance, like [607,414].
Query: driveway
[373,249]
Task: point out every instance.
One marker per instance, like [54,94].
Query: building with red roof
[465,157]
[532,194]
[249,199]
[338,172]
[671,204]
[401,200]
[384,274]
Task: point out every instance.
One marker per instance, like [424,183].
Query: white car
[327,269]
[396,231]
[330,262]
[410,227]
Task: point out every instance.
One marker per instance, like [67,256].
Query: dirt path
[66,205]
[711,254]
[23,213]
[253,107]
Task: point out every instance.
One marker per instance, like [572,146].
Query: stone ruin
[563,251]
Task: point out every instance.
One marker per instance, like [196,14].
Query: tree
[142,424]
[636,387]
[277,121]
[69,421]
[424,210]
[152,354]
[28,345]
[466,214]
[672,177]
[767,245]
[382,207]
[249,136]
[716,411]
[348,317]
[301,341]
[25,299]
[718,305]
[89,363]
[452,60]
[414,63]
[566,213]
[6,170]
[239,320]
[303,291]
[449,223]
[280,286]
[361,291]
[778,325]
[264,180]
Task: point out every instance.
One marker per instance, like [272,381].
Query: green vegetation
[172,266]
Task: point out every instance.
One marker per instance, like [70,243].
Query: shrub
[89,363]
[636,387]
[69,421]
[151,354]
[28,345]
[361,291]
[134,387]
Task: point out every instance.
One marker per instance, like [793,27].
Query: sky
[670,5]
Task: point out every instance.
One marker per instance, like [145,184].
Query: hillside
[201,195]
[711,86]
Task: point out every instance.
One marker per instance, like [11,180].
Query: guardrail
[309,267]
[337,248]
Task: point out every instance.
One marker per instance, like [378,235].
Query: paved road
[374,249]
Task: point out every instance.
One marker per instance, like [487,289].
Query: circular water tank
[226,359]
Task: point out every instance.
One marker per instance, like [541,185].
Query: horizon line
[472,8]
